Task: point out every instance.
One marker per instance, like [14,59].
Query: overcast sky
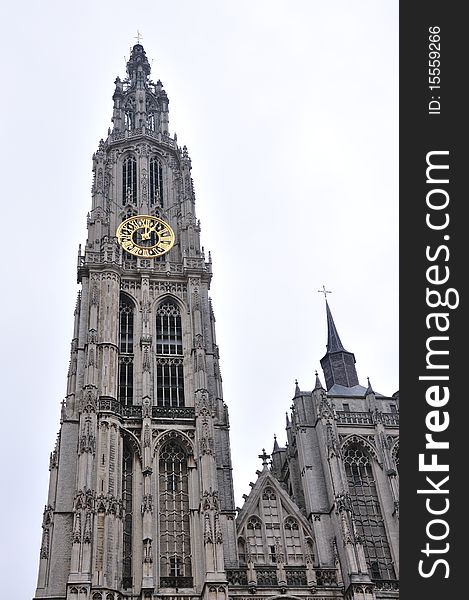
[289,112]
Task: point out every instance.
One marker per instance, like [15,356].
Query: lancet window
[367,513]
[175,539]
[156,182]
[271,521]
[129,180]
[254,540]
[126,351]
[127,506]
[129,119]
[151,121]
[169,360]
[293,541]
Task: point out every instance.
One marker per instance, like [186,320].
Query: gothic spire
[297,389]
[338,364]
[138,67]
[333,340]
[276,446]
[318,384]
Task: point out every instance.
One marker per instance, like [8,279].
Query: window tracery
[127,506]
[156,182]
[175,543]
[367,513]
[169,361]
[126,351]
[129,180]
[254,539]
[293,541]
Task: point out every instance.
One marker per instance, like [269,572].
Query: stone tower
[140,502]
[140,496]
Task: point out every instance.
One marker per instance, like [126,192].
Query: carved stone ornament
[146,408]
[208,534]
[146,436]
[89,399]
[87,439]
[94,295]
[46,525]
[147,503]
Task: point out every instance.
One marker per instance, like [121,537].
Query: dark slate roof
[356,390]
[333,340]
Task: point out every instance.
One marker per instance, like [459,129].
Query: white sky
[289,111]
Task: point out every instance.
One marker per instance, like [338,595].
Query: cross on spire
[264,457]
[324,291]
[138,36]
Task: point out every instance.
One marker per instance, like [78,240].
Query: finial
[264,457]
[138,36]
[276,448]
[325,292]
[318,384]
[297,389]
[369,389]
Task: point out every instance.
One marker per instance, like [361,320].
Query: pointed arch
[127,512]
[255,539]
[172,434]
[129,112]
[129,180]
[174,517]
[366,509]
[126,350]
[354,440]
[169,354]
[156,181]
[293,547]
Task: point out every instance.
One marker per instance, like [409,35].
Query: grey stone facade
[140,501]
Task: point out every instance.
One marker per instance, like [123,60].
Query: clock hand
[148,230]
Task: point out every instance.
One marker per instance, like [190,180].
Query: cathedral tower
[140,503]
[140,496]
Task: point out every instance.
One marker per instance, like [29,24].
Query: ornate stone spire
[318,384]
[140,105]
[138,67]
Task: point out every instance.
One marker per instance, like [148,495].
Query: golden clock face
[145,236]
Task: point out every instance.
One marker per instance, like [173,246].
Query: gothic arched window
[271,521]
[169,361]
[292,541]
[175,542]
[129,180]
[151,121]
[367,513]
[254,540]
[127,507]
[126,351]
[129,119]
[156,182]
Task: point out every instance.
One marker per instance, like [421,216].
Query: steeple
[318,384]
[138,67]
[338,365]
[141,493]
[333,340]
[140,105]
